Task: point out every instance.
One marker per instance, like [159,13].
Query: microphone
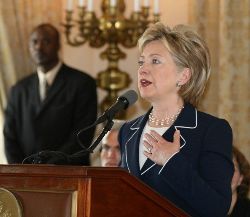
[122,103]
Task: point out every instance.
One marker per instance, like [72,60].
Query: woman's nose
[144,69]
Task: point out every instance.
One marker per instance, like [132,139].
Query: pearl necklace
[164,122]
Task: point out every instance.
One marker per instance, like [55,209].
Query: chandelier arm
[75,42]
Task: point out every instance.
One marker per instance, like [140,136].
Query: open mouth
[145,83]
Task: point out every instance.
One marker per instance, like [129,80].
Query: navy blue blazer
[32,126]
[198,178]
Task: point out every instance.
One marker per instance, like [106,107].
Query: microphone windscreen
[131,96]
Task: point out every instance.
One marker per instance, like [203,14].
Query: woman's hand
[158,149]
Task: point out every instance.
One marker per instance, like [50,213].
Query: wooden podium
[75,191]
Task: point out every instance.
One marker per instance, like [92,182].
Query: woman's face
[237,177]
[157,73]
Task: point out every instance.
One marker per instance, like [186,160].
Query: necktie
[43,88]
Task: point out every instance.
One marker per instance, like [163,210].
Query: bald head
[50,28]
[44,46]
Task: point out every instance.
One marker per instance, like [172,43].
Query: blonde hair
[188,51]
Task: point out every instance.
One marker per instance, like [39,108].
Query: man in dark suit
[46,109]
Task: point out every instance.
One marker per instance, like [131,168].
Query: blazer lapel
[147,166]
[132,145]
[186,120]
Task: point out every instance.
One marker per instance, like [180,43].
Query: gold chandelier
[112,28]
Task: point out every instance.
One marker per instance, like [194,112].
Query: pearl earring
[178,84]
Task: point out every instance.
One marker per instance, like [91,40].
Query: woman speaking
[180,152]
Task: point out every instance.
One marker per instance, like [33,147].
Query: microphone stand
[105,130]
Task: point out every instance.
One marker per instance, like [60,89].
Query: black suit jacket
[32,126]
[198,178]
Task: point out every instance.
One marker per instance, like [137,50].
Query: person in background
[46,109]
[180,152]
[240,205]
[110,149]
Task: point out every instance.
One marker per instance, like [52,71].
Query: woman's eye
[140,62]
[155,61]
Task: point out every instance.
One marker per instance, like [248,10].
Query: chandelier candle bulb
[156,7]
[90,5]
[136,5]
[69,5]
[112,3]
[81,3]
[146,3]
